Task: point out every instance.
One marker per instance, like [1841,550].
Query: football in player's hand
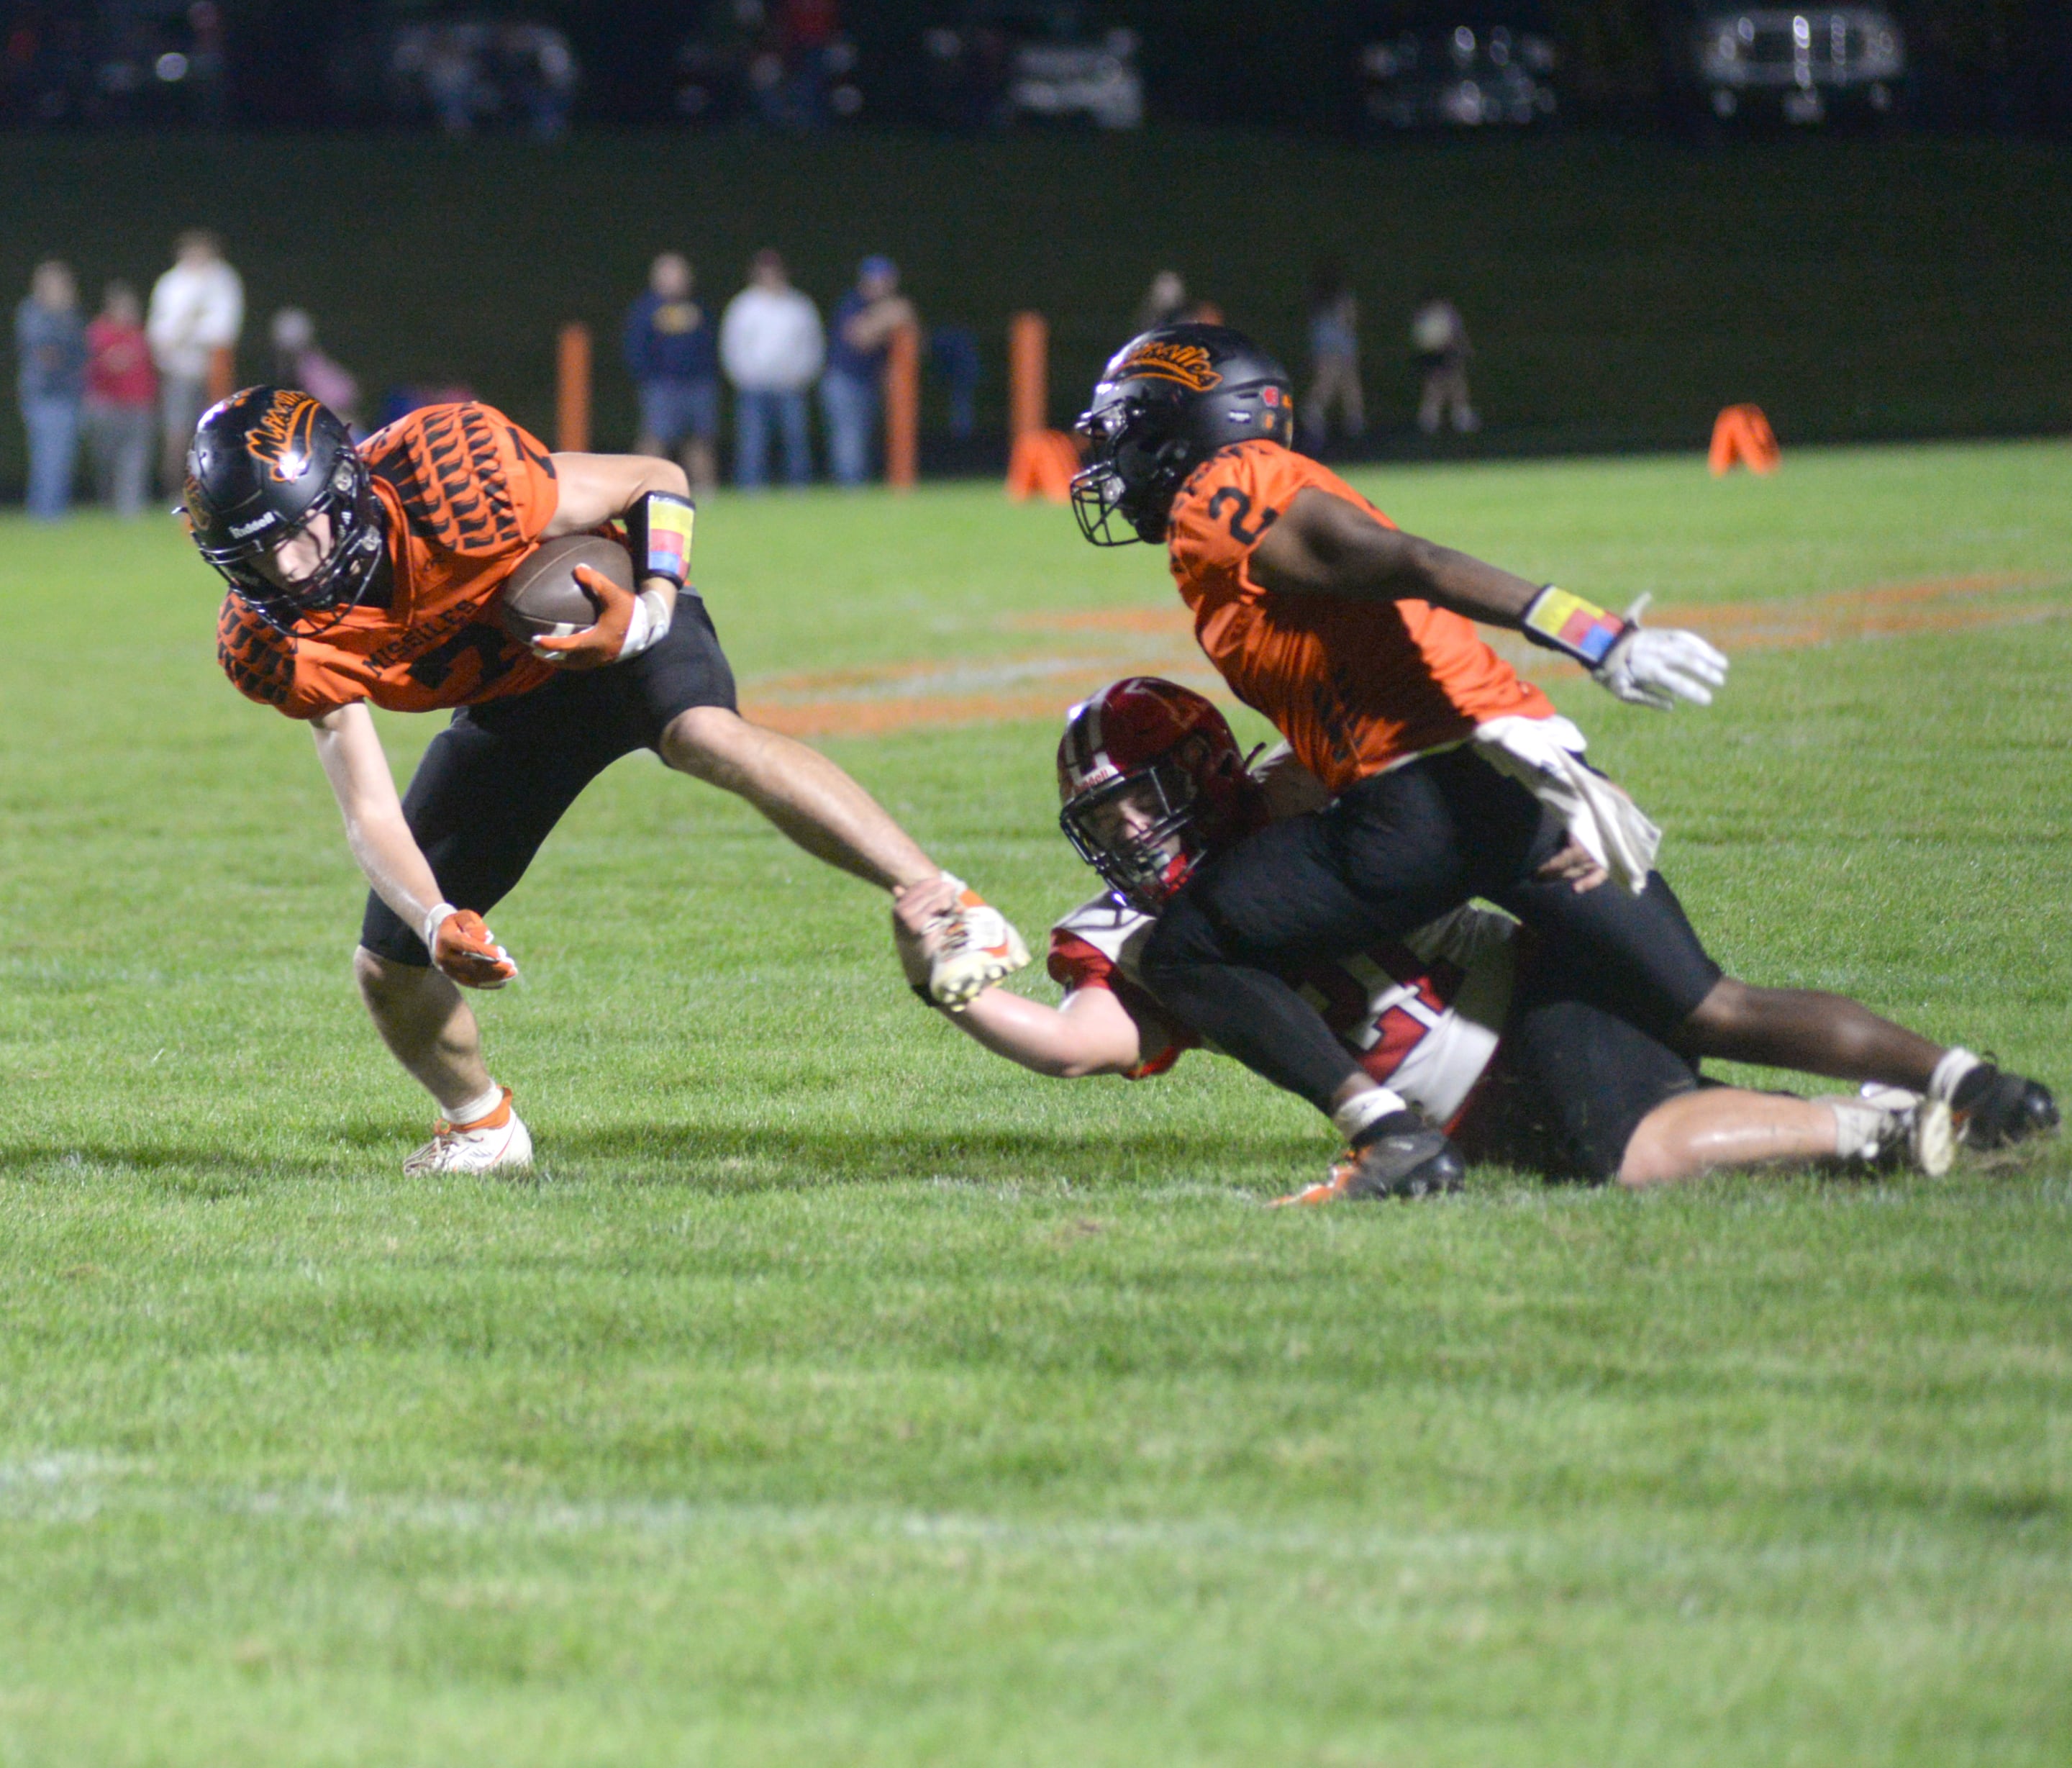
[541,599]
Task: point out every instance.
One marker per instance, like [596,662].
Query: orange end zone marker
[1741,433]
[1041,465]
[572,390]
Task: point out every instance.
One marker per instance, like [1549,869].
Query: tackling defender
[1479,1029]
[369,576]
[1450,777]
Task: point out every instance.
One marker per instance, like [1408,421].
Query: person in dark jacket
[50,339]
[673,352]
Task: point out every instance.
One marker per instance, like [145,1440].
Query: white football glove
[976,946]
[1658,668]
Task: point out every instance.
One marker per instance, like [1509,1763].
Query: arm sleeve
[261,666]
[471,481]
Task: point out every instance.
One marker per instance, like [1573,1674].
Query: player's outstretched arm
[349,749]
[1091,1033]
[1323,545]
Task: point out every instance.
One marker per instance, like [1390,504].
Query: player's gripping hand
[626,625]
[1658,667]
[954,944]
[463,949]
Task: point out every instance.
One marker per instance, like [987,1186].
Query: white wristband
[435,917]
[650,624]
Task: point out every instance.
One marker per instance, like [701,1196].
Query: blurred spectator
[1441,339]
[674,355]
[1165,301]
[865,321]
[953,354]
[297,362]
[51,341]
[1334,355]
[771,346]
[121,399]
[197,308]
[398,402]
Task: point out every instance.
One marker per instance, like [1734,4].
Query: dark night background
[1979,64]
[1621,280]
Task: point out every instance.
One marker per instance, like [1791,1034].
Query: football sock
[474,1110]
[1957,1066]
[1363,1111]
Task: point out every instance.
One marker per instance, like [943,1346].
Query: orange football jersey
[464,495]
[1353,686]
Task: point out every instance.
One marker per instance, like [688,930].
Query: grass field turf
[839,1394]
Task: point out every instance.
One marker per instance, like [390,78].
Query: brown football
[541,599]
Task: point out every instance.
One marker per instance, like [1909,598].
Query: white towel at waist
[1545,755]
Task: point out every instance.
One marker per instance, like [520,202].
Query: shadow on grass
[706,1157]
[758,1159]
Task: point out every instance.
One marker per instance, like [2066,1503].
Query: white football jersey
[1422,1016]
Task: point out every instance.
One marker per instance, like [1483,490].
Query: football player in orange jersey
[1451,777]
[369,576]
[1477,1028]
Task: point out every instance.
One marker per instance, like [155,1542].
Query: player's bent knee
[707,742]
[383,980]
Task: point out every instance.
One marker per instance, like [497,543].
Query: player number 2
[1239,503]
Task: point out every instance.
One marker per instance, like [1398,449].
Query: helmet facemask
[339,580]
[1135,472]
[1140,832]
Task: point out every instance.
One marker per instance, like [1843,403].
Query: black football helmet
[262,464]
[1167,401]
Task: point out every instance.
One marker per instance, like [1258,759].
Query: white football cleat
[1901,1129]
[977,947]
[499,1142]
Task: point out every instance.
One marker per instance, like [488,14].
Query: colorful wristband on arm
[658,533]
[1564,623]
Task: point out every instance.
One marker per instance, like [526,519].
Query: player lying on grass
[1450,777]
[370,577]
[1478,1025]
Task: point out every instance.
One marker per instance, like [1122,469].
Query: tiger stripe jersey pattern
[1356,686]
[464,495]
[1422,1016]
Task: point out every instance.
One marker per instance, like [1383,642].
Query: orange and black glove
[626,625]
[463,949]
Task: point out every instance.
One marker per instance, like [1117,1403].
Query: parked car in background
[1491,71]
[1798,65]
[1000,65]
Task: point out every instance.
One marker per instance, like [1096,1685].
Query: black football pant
[1394,852]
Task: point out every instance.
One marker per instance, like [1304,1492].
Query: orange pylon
[1042,465]
[1741,433]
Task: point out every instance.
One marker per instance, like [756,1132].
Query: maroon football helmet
[1152,781]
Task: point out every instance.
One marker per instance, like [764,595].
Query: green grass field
[837,1393]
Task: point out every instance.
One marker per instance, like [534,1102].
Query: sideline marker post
[902,408]
[572,390]
[1040,461]
[1028,374]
